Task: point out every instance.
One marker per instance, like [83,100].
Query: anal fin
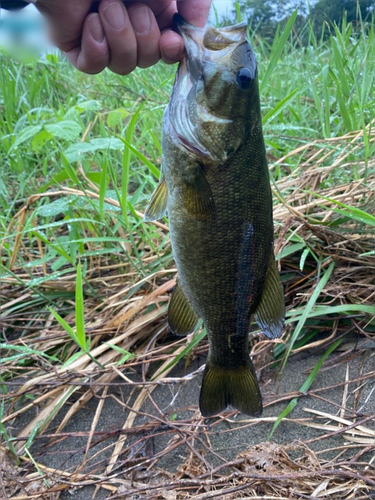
[158,203]
[182,319]
[270,312]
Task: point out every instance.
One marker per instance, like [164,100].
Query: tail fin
[237,387]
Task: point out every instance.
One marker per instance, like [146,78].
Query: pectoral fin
[270,312]
[158,203]
[182,319]
[198,199]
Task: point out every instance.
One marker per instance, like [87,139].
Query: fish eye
[244,78]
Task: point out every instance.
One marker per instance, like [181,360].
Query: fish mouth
[193,42]
[203,46]
[207,44]
[209,37]
[188,74]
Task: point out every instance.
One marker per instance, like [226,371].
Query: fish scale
[215,187]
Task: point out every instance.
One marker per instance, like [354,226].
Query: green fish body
[215,187]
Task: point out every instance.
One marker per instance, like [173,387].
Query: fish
[215,187]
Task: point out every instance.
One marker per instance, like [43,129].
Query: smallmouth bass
[215,187]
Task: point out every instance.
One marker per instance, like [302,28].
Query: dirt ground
[214,440]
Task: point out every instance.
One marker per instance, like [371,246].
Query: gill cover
[215,87]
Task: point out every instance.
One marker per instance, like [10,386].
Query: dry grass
[46,398]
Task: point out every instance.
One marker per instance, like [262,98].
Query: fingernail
[115,15]
[173,52]
[141,20]
[96,28]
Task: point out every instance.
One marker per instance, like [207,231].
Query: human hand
[121,35]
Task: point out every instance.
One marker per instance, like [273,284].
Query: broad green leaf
[57,178]
[66,129]
[75,152]
[90,105]
[59,206]
[116,116]
[40,139]
[94,177]
[25,135]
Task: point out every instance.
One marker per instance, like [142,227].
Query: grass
[85,283]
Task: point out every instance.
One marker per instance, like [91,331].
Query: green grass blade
[80,318]
[304,255]
[278,50]
[69,330]
[5,435]
[126,354]
[351,212]
[188,348]
[70,171]
[33,433]
[57,247]
[25,351]
[102,189]
[127,154]
[323,310]
[143,158]
[280,106]
[36,465]
[238,11]
[289,250]
[311,303]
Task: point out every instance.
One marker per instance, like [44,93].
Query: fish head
[216,89]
